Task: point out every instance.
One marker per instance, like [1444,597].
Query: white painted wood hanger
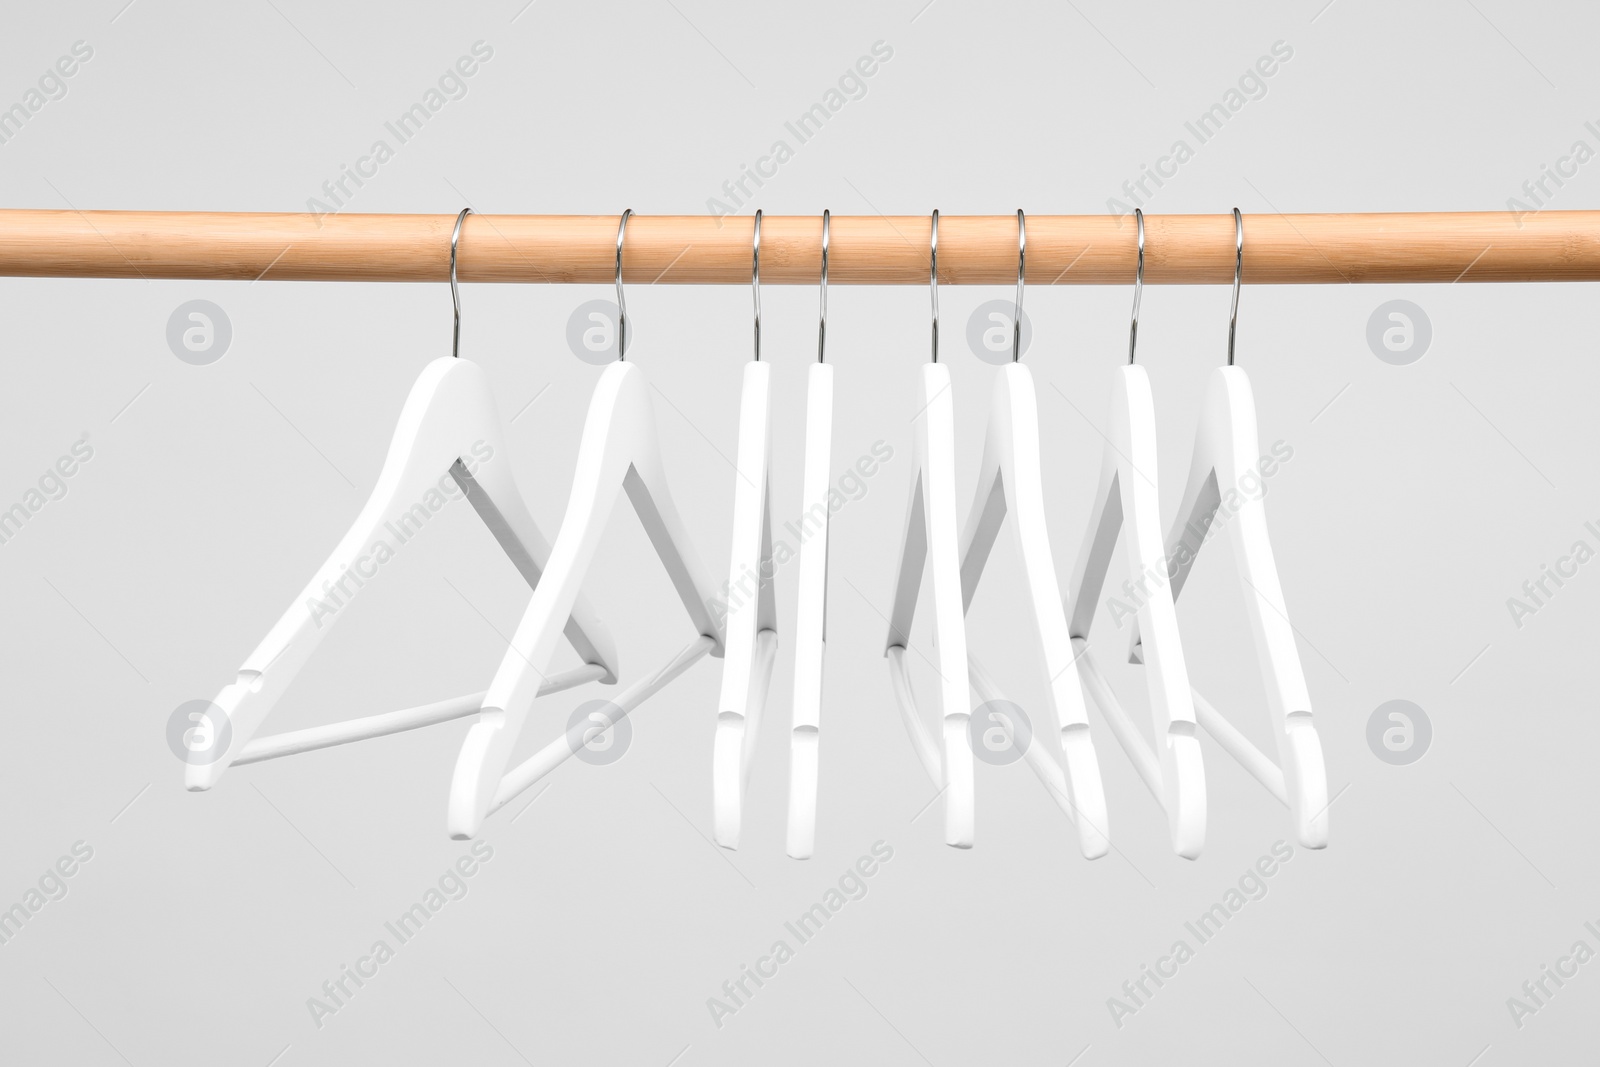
[1127,496]
[1010,483]
[619,452]
[930,539]
[811,608]
[1226,465]
[752,622]
[448,428]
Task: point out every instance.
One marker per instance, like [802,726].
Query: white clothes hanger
[930,539]
[449,425]
[752,622]
[1226,454]
[811,609]
[619,452]
[1127,496]
[1009,482]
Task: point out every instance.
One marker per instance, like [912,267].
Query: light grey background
[1418,500]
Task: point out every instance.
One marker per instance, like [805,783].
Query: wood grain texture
[1488,246]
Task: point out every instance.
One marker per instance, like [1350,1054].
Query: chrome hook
[755,279]
[1238,271]
[822,319]
[622,303]
[1138,288]
[455,295]
[933,280]
[1022,259]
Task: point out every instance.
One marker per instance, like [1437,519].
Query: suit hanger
[1226,458]
[752,622]
[449,427]
[1127,495]
[1009,483]
[811,609]
[930,539]
[619,452]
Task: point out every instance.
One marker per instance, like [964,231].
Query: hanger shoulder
[1225,494]
[931,539]
[1136,436]
[1167,675]
[949,616]
[1213,467]
[1235,450]
[751,623]
[1011,482]
[1126,496]
[989,501]
[618,451]
[1022,460]
[811,614]
[1239,466]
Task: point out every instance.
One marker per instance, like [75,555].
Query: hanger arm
[1128,475]
[931,538]
[811,615]
[448,429]
[1010,484]
[619,450]
[751,624]
[1225,495]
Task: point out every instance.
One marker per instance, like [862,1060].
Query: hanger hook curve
[455,295]
[1022,260]
[822,319]
[933,280]
[1138,288]
[622,303]
[1238,271]
[755,279]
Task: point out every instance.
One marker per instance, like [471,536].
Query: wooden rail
[1488,246]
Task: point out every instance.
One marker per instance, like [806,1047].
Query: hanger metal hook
[933,280]
[622,303]
[755,279]
[1138,288]
[1238,271]
[822,314]
[455,295]
[1022,260]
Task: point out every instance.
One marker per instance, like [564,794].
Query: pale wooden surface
[1488,246]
